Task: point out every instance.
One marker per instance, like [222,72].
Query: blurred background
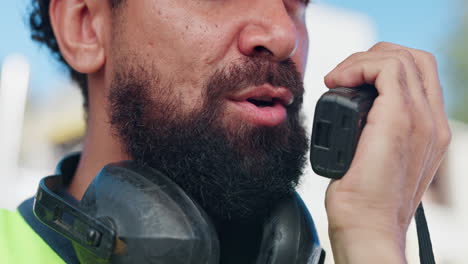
[41,116]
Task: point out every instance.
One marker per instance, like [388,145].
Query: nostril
[261,50]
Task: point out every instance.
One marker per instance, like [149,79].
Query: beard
[235,170]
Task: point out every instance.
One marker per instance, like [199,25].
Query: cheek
[176,71]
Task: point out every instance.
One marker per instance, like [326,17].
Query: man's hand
[400,149]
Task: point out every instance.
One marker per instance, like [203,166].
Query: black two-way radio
[340,117]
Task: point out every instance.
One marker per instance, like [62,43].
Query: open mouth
[263,102]
[263,105]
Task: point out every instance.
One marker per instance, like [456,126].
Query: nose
[269,30]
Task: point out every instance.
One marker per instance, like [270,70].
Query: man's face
[189,40]
[209,91]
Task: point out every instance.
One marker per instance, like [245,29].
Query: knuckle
[444,137]
[431,61]
[357,55]
[430,57]
[351,58]
[405,55]
[396,63]
[383,45]
[427,57]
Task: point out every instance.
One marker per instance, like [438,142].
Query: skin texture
[406,137]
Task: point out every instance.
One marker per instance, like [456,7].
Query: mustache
[255,72]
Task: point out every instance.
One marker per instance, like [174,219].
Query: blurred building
[447,199]
[34,135]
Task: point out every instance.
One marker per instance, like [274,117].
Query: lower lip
[261,116]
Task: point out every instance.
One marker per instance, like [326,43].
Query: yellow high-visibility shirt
[19,244]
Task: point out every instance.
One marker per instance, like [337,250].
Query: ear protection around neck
[135,214]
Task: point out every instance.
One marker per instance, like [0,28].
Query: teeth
[290,101]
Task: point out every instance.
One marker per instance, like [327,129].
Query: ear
[77,26]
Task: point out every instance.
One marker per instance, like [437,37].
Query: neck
[100,146]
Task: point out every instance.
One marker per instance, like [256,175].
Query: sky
[420,24]
[45,73]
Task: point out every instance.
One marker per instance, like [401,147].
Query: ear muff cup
[155,221]
[289,235]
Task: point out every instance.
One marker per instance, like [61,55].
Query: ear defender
[135,214]
[289,235]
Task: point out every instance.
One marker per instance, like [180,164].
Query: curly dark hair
[41,31]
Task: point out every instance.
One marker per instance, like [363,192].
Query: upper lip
[266,92]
